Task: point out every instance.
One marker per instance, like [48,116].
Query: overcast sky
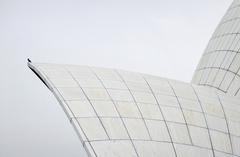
[164,38]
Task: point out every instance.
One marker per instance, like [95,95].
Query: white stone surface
[145,121]
[125,114]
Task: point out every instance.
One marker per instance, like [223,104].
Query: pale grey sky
[159,37]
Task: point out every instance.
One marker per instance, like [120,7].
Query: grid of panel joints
[222,56]
[223,79]
[232,124]
[218,30]
[60,97]
[232,116]
[174,122]
[231,12]
[212,76]
[191,96]
[119,113]
[205,119]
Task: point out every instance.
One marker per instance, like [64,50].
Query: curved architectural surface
[118,113]
[220,64]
